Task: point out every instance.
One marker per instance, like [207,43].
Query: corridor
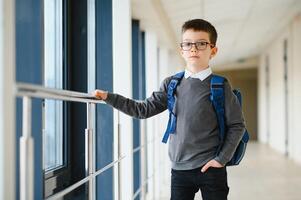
[58,142]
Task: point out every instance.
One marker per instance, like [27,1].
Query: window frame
[61,173]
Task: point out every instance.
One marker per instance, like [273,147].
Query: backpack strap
[217,98]
[171,126]
[245,137]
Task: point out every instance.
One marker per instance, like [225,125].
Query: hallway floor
[264,174]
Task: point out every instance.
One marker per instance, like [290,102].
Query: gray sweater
[196,138]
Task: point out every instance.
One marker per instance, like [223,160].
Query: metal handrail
[37,91]
[83,181]
[29,91]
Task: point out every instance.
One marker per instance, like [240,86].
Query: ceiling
[244,27]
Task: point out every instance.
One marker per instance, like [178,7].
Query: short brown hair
[201,25]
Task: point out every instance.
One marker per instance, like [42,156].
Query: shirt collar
[202,75]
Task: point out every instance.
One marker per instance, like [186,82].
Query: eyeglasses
[202,45]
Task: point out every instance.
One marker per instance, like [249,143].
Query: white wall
[1,103]
[165,70]
[7,102]
[122,76]
[295,136]
[262,105]
[151,71]
[277,114]
[176,62]
[160,63]
[275,108]
[154,128]
[161,149]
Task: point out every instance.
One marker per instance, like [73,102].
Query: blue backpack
[217,98]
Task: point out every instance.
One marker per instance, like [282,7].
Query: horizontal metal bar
[38,91]
[83,181]
[138,148]
[142,146]
[108,166]
[137,192]
[142,185]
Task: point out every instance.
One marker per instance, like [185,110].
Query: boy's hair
[201,25]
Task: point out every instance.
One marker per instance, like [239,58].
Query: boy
[193,146]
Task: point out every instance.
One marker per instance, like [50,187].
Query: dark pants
[213,184]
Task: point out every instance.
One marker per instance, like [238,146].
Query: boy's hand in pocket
[211,163]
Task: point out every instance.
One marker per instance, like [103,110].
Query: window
[64,123]
[53,78]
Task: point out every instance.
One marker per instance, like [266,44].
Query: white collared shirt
[202,75]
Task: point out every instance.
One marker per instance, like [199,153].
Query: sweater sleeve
[151,106]
[234,121]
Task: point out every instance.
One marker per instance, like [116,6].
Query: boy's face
[197,50]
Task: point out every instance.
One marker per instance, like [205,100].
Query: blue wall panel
[138,88]
[104,80]
[143,94]
[29,69]
[136,95]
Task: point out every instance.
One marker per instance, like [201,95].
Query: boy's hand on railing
[101,94]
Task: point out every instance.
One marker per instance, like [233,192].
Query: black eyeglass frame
[196,45]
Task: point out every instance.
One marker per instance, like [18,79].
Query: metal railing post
[89,151]
[29,91]
[119,155]
[26,153]
[143,160]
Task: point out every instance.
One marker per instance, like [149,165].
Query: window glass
[53,78]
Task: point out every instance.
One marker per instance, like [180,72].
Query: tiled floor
[264,174]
